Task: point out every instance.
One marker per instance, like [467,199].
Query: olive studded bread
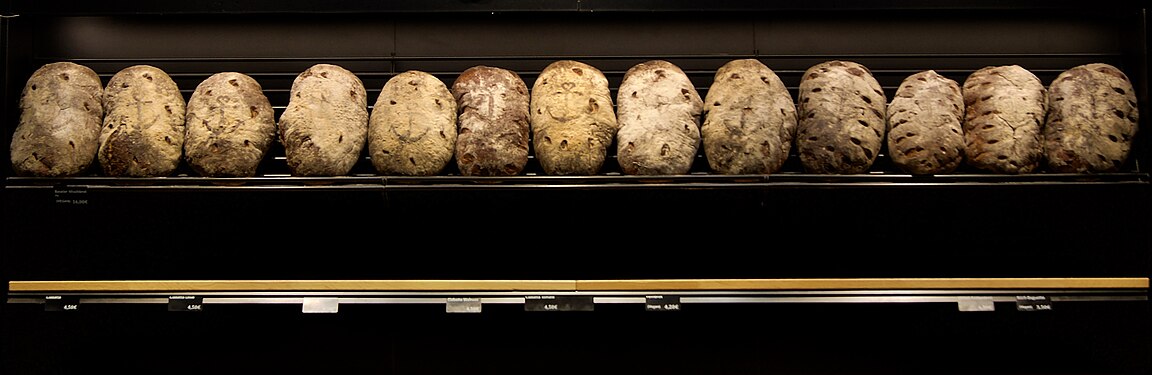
[749,120]
[61,112]
[925,125]
[841,118]
[143,134]
[325,125]
[229,126]
[658,110]
[412,128]
[1004,111]
[1092,119]
[572,119]
[493,125]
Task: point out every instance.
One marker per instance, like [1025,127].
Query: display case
[790,272]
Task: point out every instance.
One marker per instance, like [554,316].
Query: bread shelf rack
[688,291]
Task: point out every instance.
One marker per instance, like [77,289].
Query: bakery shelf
[862,290]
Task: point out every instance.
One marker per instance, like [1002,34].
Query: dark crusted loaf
[230,126]
[925,129]
[412,128]
[492,118]
[841,118]
[1004,109]
[572,119]
[1092,119]
[143,134]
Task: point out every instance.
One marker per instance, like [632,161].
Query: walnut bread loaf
[1092,119]
[749,120]
[229,126]
[1004,110]
[412,128]
[841,118]
[61,112]
[325,126]
[492,122]
[143,134]
[572,119]
[659,111]
[925,125]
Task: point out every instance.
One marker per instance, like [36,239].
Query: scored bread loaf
[229,126]
[1092,119]
[925,125]
[325,125]
[143,134]
[572,119]
[492,120]
[61,112]
[749,120]
[1004,110]
[841,118]
[658,110]
[412,128]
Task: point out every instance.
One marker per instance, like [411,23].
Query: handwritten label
[662,303]
[558,303]
[185,303]
[1033,303]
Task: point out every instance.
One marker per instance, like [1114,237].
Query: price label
[185,303]
[662,303]
[320,305]
[463,305]
[61,303]
[70,196]
[558,303]
[1033,303]
[977,304]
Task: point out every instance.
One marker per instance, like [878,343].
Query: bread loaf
[1092,119]
[658,110]
[412,128]
[572,119]
[143,134]
[842,118]
[1004,110]
[61,112]
[749,120]
[492,117]
[925,129]
[325,125]
[229,126]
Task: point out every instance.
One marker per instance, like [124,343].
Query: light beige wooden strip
[290,285]
[865,283]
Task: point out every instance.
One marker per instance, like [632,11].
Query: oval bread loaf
[325,125]
[143,134]
[658,110]
[492,119]
[841,118]
[749,120]
[572,119]
[1092,119]
[1004,110]
[925,129]
[61,112]
[229,126]
[412,128]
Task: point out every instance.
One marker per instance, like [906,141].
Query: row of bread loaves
[1002,120]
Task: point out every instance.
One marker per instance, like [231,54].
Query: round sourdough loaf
[1092,119]
[492,118]
[659,111]
[61,112]
[1004,110]
[143,134]
[572,119]
[841,118]
[229,126]
[412,128]
[925,125]
[749,120]
[325,125]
